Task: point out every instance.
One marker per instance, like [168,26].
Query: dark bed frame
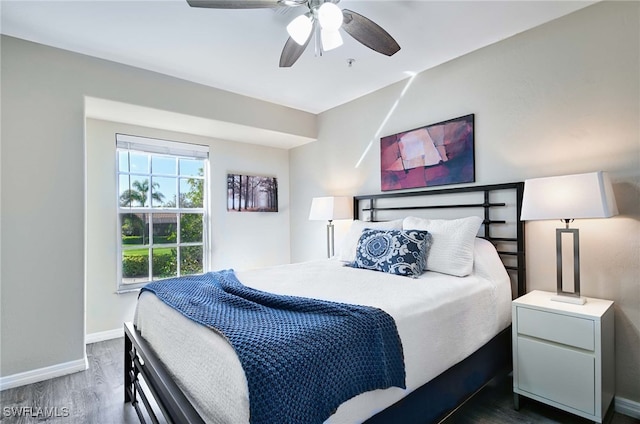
[429,403]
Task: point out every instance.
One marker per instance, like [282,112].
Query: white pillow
[349,244]
[453,241]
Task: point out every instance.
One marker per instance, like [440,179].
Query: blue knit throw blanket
[302,357]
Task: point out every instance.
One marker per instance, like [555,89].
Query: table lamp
[566,198]
[329,209]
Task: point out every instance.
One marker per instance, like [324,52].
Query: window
[162,209]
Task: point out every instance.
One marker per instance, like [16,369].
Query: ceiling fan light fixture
[331,39]
[324,18]
[300,29]
[330,16]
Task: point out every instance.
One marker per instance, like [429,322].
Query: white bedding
[440,319]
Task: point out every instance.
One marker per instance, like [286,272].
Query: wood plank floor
[494,405]
[92,396]
[96,396]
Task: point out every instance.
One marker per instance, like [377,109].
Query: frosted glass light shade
[300,29]
[330,16]
[575,196]
[330,39]
[331,208]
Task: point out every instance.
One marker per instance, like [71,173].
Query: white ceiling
[238,50]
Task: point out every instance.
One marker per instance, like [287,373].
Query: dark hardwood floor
[92,396]
[494,404]
[96,396]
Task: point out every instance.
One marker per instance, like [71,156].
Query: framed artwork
[251,193]
[434,155]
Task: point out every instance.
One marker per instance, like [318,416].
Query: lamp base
[570,299]
[562,295]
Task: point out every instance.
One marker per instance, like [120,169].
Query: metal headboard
[513,257]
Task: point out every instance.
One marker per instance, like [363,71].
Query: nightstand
[563,354]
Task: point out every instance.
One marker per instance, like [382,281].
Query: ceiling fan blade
[369,33]
[234,4]
[292,52]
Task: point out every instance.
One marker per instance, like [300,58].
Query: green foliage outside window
[135,229]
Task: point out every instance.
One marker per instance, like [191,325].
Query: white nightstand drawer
[568,330]
[558,374]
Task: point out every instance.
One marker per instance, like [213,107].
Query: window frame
[161,148]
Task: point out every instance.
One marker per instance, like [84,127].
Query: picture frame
[252,193]
[433,155]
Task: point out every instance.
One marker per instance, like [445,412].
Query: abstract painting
[434,155]
[250,193]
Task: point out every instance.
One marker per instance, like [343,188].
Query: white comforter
[440,319]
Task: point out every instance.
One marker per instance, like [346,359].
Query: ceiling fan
[324,19]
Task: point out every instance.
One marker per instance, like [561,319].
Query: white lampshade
[331,208]
[331,39]
[300,29]
[569,197]
[330,16]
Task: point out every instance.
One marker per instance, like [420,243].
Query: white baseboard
[104,335]
[41,374]
[627,407]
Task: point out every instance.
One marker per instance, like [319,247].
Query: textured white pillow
[349,244]
[453,241]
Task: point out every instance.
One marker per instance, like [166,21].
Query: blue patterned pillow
[400,252]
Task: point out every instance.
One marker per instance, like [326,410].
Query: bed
[455,331]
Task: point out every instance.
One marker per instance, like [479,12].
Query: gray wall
[43,184]
[562,98]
